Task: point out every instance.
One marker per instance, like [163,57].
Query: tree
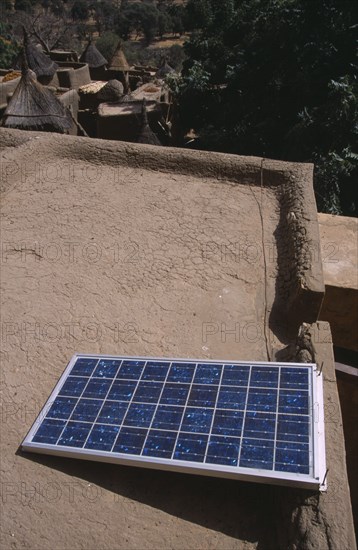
[138,18]
[79,10]
[25,5]
[104,14]
[8,48]
[282,83]
[107,44]
[165,24]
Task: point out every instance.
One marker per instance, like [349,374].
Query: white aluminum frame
[316,480]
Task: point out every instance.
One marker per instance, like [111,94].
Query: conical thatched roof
[118,61]
[34,107]
[37,61]
[164,69]
[146,134]
[93,56]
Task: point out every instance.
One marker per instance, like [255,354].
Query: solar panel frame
[316,479]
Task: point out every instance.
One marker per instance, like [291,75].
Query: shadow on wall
[260,514]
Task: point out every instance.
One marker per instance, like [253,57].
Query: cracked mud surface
[101,255]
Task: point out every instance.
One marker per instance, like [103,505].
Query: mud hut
[41,64]
[146,134]
[119,61]
[35,107]
[93,57]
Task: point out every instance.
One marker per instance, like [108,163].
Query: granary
[95,60]
[64,56]
[71,75]
[158,252]
[118,62]
[146,134]
[35,107]
[40,63]
[111,92]
[123,120]
[164,69]
[92,56]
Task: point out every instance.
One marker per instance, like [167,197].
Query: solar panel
[252,421]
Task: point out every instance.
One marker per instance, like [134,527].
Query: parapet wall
[339,240]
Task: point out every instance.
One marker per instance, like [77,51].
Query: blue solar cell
[148,392]
[228,422]
[131,370]
[86,410]
[49,431]
[197,420]
[102,437]
[62,407]
[260,425]
[73,386]
[290,456]
[264,377]
[130,441]
[167,418]
[293,428]
[294,402]
[175,394]
[84,367]
[181,372]
[223,450]
[262,400]
[191,447]
[235,375]
[112,412]
[122,390]
[75,434]
[203,396]
[294,377]
[139,414]
[207,374]
[257,454]
[155,371]
[232,398]
[159,444]
[107,368]
[293,468]
[97,388]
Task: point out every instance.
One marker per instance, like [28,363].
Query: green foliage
[282,83]
[136,54]
[104,14]
[25,5]
[138,18]
[7,5]
[79,10]
[176,56]
[8,48]
[150,20]
[107,44]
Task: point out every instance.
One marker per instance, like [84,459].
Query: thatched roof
[112,91]
[38,62]
[93,56]
[118,61]
[34,107]
[146,134]
[164,69]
